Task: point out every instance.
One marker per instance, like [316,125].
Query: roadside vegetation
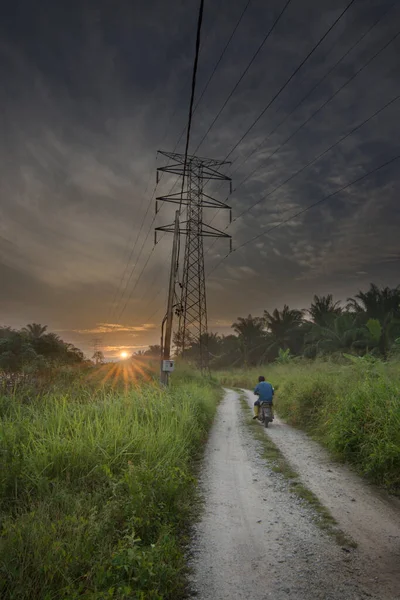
[336,368]
[352,407]
[97,485]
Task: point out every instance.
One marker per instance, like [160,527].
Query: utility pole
[193,306]
[166,339]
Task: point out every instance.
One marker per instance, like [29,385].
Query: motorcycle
[265,414]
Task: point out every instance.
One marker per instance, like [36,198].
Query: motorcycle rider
[265,393]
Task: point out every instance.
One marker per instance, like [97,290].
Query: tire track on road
[256,539]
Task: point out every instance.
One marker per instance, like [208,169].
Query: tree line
[33,348]
[368,323]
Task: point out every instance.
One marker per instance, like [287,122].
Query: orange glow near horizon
[127,372]
[124,354]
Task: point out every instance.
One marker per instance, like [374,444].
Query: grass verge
[97,490]
[279,464]
[352,409]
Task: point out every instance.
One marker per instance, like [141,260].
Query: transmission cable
[136,282]
[115,303]
[223,53]
[244,73]
[214,70]
[318,110]
[309,207]
[282,89]
[193,89]
[307,121]
[132,252]
[209,81]
[291,77]
[358,41]
[137,261]
[315,159]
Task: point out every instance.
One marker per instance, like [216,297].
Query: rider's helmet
[261,378]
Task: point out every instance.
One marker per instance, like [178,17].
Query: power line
[281,90]
[244,73]
[316,158]
[131,236]
[223,53]
[191,109]
[214,71]
[155,278]
[366,64]
[309,207]
[155,297]
[290,78]
[189,125]
[154,313]
[182,90]
[132,252]
[296,130]
[135,266]
[198,45]
[314,204]
[115,301]
[348,51]
[197,49]
[140,253]
[311,162]
[346,83]
[209,80]
[136,282]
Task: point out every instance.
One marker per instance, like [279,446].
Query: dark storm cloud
[91,91]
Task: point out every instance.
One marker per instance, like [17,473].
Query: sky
[92,90]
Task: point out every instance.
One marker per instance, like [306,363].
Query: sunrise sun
[123,354]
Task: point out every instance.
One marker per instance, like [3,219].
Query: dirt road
[257,540]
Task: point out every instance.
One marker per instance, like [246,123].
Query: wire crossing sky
[90,93]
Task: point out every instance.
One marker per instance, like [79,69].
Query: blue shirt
[264,391]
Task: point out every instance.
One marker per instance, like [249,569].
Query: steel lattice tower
[193,304]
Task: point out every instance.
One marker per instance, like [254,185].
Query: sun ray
[109,374]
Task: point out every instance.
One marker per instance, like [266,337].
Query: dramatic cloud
[91,91]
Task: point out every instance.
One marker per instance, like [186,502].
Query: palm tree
[377,303]
[178,342]
[35,330]
[382,305]
[5,332]
[229,352]
[344,334]
[323,310]
[284,327]
[250,332]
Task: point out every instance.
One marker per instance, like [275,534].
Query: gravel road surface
[257,540]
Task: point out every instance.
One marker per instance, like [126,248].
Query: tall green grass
[96,491]
[353,409]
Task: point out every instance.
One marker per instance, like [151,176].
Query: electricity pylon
[196,172]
